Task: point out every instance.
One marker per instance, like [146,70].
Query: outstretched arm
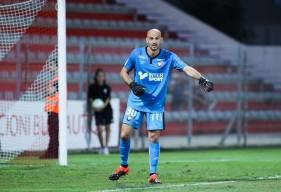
[190,71]
[203,82]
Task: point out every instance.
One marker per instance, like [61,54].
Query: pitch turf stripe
[162,186]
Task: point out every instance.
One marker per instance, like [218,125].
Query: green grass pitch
[243,170]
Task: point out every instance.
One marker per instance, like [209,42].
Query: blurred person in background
[179,95]
[52,108]
[104,115]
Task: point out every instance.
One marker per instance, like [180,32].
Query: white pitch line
[163,186]
[198,161]
[168,186]
[270,177]
[215,160]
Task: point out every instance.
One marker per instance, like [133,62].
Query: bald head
[154,39]
[153,32]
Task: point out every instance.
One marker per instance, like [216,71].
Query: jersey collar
[151,58]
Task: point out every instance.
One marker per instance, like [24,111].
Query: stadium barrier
[20,132]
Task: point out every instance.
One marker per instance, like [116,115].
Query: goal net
[29,81]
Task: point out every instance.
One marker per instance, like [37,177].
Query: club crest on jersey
[160,63]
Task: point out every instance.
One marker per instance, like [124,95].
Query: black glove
[137,89]
[206,84]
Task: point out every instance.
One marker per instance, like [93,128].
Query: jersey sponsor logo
[151,76]
[143,75]
[156,76]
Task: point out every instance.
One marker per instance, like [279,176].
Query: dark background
[250,21]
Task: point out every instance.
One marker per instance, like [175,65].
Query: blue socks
[154,150]
[124,151]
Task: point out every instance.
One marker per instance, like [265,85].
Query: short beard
[154,49]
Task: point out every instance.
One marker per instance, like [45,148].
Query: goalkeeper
[152,66]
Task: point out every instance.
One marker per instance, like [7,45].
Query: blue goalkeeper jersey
[154,74]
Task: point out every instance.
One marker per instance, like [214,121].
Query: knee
[125,135]
[153,137]
[107,128]
[125,132]
[108,131]
[99,129]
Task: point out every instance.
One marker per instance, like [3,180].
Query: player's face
[101,78]
[153,40]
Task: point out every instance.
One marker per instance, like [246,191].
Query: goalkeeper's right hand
[137,89]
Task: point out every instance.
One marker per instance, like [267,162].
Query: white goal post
[61,14]
[33,69]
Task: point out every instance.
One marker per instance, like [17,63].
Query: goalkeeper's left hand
[206,84]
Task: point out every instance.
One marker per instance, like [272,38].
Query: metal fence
[243,110]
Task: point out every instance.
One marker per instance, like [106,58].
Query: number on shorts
[131,112]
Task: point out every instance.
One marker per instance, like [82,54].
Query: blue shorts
[154,121]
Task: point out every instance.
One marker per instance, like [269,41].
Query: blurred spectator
[180,94]
[103,116]
[52,108]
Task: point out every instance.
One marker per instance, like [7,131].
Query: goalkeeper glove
[206,84]
[137,89]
